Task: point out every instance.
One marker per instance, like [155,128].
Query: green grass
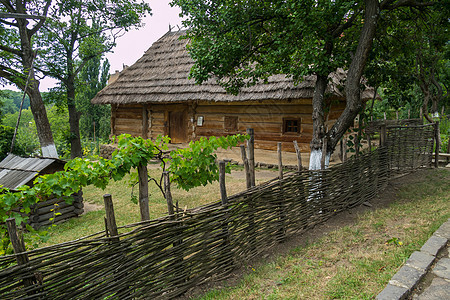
[357,261]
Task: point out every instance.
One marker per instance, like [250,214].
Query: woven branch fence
[163,258]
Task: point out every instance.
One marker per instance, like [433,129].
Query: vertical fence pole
[19,247]
[299,156]
[344,149]
[246,167]
[421,114]
[324,153]
[437,139]
[143,192]
[168,193]
[383,135]
[110,217]
[251,154]
[226,238]
[280,161]
[448,150]
[223,188]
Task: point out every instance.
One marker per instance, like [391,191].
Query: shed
[16,171]
[155,97]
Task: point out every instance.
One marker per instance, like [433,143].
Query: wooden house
[155,97]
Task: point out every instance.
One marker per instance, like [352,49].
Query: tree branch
[42,21]
[11,50]
[13,76]
[389,5]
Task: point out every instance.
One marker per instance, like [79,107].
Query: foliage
[6,135]
[131,152]
[95,119]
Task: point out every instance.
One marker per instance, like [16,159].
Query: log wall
[265,117]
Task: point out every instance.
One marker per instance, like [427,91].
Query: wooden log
[168,194]
[246,167]
[299,156]
[53,214]
[18,247]
[383,135]
[56,220]
[111,229]
[223,188]
[324,153]
[280,161]
[143,192]
[47,209]
[251,154]
[436,139]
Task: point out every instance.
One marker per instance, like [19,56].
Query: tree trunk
[37,105]
[318,122]
[354,74]
[74,121]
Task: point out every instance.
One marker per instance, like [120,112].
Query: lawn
[355,261]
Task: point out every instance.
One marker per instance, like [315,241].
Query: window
[230,123]
[291,126]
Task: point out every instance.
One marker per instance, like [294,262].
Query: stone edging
[408,277]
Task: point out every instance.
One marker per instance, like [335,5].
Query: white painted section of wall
[49,151]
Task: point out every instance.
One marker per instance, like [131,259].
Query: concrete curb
[415,268]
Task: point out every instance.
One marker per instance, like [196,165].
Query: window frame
[299,126]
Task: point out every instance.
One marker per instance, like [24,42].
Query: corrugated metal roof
[16,171]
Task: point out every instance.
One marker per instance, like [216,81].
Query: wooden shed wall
[265,117]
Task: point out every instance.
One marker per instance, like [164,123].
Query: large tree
[243,42]
[77,32]
[17,55]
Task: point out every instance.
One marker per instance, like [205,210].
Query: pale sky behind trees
[132,45]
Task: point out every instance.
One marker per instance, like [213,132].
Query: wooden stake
[143,192]
[251,154]
[396,113]
[246,167]
[409,113]
[168,193]
[324,153]
[280,161]
[18,247]
[341,149]
[421,113]
[437,139]
[223,188]
[299,156]
[110,217]
[344,150]
[383,135]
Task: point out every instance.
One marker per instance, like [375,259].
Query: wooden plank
[129,122]
[285,109]
[128,114]
[258,102]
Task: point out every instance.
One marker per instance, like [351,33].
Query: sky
[132,45]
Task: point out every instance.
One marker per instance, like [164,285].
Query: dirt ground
[340,220]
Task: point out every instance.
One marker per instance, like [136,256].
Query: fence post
[168,194]
[324,153]
[223,188]
[448,149]
[19,247]
[251,154]
[246,167]
[299,156]
[224,199]
[110,219]
[280,161]
[383,135]
[143,192]
[437,139]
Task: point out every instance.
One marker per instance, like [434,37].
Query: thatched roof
[161,76]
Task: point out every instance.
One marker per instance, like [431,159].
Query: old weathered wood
[280,161]
[396,115]
[383,135]
[437,139]
[421,113]
[143,192]
[324,153]
[246,167]
[168,193]
[18,247]
[344,149]
[299,155]
[144,122]
[251,154]
[223,188]
[110,216]
[448,149]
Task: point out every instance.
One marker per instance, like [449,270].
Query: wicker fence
[163,258]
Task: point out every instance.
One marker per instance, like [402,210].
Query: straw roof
[161,76]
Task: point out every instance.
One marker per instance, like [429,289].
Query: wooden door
[178,126]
